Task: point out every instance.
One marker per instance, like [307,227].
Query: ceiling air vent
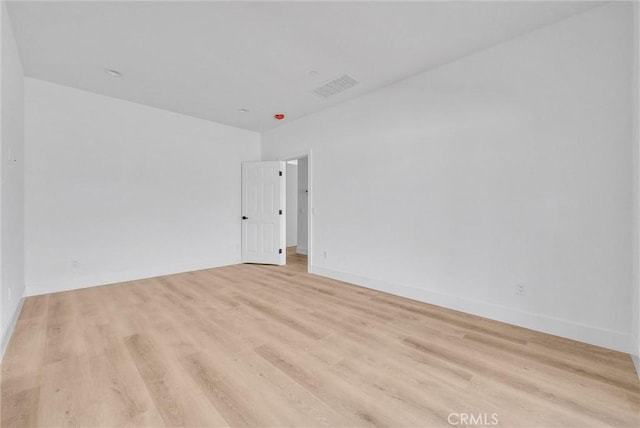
[335,86]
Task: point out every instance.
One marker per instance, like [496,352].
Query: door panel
[263,226]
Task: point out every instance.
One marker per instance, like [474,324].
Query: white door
[263,216]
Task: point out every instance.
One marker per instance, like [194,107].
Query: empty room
[320,213]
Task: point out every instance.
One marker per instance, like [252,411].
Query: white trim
[8,330]
[534,321]
[80,282]
[300,250]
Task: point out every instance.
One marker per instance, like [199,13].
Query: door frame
[310,206]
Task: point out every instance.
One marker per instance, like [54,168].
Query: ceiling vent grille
[335,86]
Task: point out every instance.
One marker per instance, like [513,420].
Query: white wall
[12,180]
[510,166]
[117,191]
[303,212]
[292,205]
[636,183]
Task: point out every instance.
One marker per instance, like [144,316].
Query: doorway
[297,219]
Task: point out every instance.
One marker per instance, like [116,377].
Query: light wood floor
[252,345]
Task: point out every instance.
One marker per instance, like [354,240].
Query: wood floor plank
[153,371]
[26,351]
[65,392]
[252,345]
[165,383]
[222,393]
[291,397]
[517,381]
[35,307]
[21,408]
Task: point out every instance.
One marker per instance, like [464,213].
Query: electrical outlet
[74,264]
[324,254]
[521,290]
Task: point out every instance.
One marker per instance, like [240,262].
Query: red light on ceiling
[278,116]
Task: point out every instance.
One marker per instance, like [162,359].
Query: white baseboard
[79,282]
[534,321]
[7,331]
[301,250]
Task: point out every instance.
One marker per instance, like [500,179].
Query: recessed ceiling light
[113,73]
[243,110]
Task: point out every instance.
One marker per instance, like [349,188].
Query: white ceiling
[209,59]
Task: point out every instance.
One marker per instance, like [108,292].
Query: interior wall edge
[618,341]
[12,180]
[7,330]
[635,252]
